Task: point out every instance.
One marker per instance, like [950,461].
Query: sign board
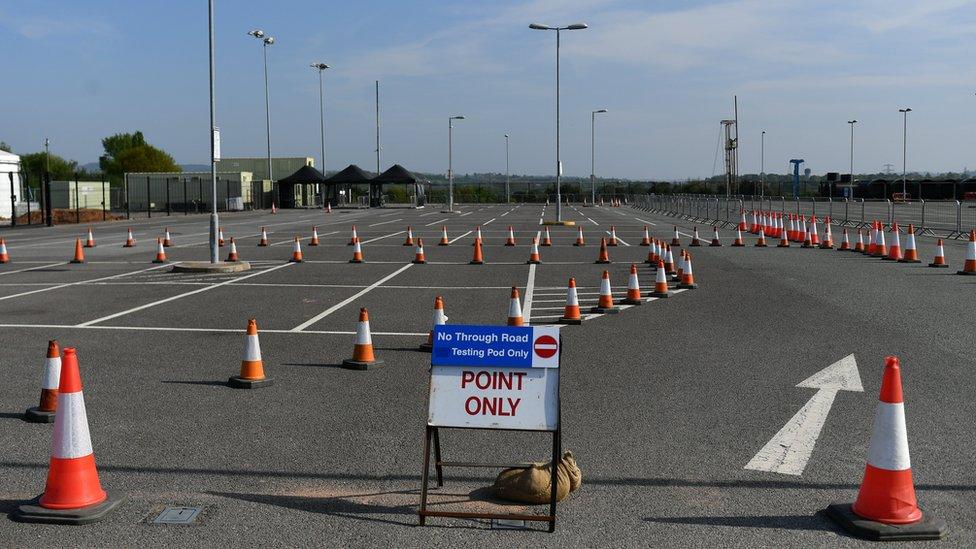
[495,377]
[216,144]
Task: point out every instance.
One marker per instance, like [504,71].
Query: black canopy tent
[396,175]
[304,177]
[350,175]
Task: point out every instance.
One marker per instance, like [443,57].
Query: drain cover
[508,524]
[178,515]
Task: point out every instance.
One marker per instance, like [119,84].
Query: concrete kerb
[207,267]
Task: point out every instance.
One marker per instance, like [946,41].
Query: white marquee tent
[9,164]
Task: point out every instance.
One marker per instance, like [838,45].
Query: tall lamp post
[762,164]
[214,146]
[450,161]
[266,41]
[904,152]
[508,179]
[593,154]
[559,164]
[851,182]
[321,68]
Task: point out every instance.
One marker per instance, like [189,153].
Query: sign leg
[556,450]
[423,487]
[437,457]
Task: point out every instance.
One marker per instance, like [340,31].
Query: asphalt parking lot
[663,405]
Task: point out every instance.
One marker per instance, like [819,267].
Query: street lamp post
[214,221]
[321,68]
[266,41]
[508,180]
[851,182]
[762,164]
[593,153]
[559,165]
[904,151]
[450,161]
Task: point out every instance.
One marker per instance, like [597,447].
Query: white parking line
[529,289]
[83,282]
[385,222]
[205,330]
[453,240]
[382,237]
[349,300]
[439,221]
[620,240]
[591,221]
[33,268]
[489,221]
[645,221]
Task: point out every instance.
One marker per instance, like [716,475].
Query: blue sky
[666,70]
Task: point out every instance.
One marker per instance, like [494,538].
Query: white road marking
[385,222]
[466,213]
[790,449]
[83,282]
[620,240]
[349,300]
[438,222]
[382,237]
[593,222]
[646,221]
[453,240]
[33,268]
[489,221]
[529,289]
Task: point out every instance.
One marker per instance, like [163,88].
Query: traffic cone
[477,258]
[675,241]
[362,354]
[859,246]
[419,258]
[604,256]
[807,235]
[353,237]
[510,241]
[167,242]
[814,237]
[754,227]
[477,234]
[894,251]
[160,252]
[969,268]
[232,256]
[274,208]
[409,240]
[130,242]
[784,241]
[694,238]
[571,315]
[845,245]
[296,251]
[264,237]
[680,264]
[660,282]
[761,241]
[633,288]
[911,252]
[715,240]
[881,250]
[939,261]
[652,256]
[534,254]
[737,243]
[612,241]
[444,241]
[872,239]
[439,320]
[90,243]
[514,309]
[73,493]
[79,252]
[669,261]
[328,207]
[646,240]
[605,305]
[886,508]
[742,222]
[315,237]
[44,412]
[828,241]
[546,239]
[220,237]
[687,278]
[357,253]
[252,366]
[4,257]
[579,237]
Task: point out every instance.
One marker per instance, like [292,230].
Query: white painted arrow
[789,451]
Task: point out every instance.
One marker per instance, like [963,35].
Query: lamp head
[538,26]
[577,26]
[319,66]
[269,40]
[257,33]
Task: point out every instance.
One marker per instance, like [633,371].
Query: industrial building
[192,192]
[258,167]
[9,182]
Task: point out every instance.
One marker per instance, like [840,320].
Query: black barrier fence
[31,199]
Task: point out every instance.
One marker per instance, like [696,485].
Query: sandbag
[534,484]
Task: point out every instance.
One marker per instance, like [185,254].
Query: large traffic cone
[646,240]
[652,256]
[969,268]
[675,241]
[742,222]
[357,253]
[660,282]
[894,251]
[572,311]
[353,237]
[605,304]
[828,241]
[738,243]
[886,508]
[252,366]
[315,237]
[477,258]
[754,226]
[687,277]
[845,245]
[362,353]
[232,256]
[669,261]
[44,412]
[328,207]
[881,250]
[579,237]
[546,238]
[859,246]
[4,257]
[939,261]
[220,237]
[633,288]
[167,241]
[872,239]
[911,252]
[715,239]
[418,257]
[296,251]
[439,320]
[73,493]
[477,234]
[130,241]
[694,238]
[264,237]
[612,241]
[534,257]
[514,309]
[90,242]
[444,240]
[807,234]
[604,256]
[510,241]
[274,208]
[761,241]
[160,252]
[79,252]
[784,240]
[409,240]
[814,237]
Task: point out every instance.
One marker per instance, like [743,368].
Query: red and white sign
[545,346]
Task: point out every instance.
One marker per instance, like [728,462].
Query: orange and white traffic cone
[886,507]
[328,207]
[477,258]
[130,241]
[264,237]
[894,251]
[742,222]
[911,252]
[79,252]
[612,241]
[872,239]
[784,240]
[409,240]
[669,261]
[652,256]
[687,277]
[90,242]
[828,241]
[514,309]
[761,241]
[694,238]
[646,240]
[969,268]
[715,240]
[604,256]
[680,264]
[4,256]
[605,304]
[357,253]
[167,241]
[881,250]
[939,261]
[546,238]
[534,258]
[814,237]
[477,234]
[754,227]
[232,255]
[510,241]
[419,258]
[660,282]
[362,354]
[675,241]
[738,243]
[807,234]
[439,320]
[274,208]
[44,412]
[579,237]
[353,237]
[444,240]
[160,252]
[73,493]
[220,237]
[315,237]
[296,251]
[633,296]
[252,365]
[845,245]
[571,314]
[859,245]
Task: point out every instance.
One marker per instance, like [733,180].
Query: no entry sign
[495,377]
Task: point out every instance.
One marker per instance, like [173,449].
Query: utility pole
[214,148]
[46,183]
[378,171]
[762,164]
[851,182]
[508,180]
[904,153]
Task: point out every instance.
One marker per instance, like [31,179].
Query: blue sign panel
[496,346]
